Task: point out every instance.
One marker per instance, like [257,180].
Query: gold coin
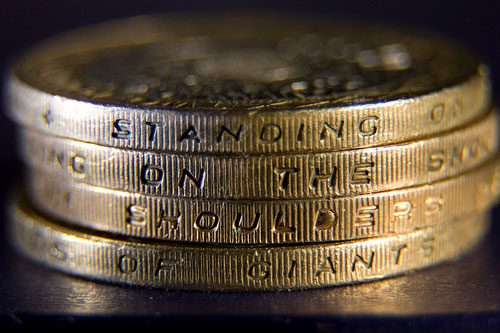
[246,85]
[285,176]
[176,266]
[265,221]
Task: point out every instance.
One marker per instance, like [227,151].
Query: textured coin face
[266,222]
[228,62]
[257,177]
[250,268]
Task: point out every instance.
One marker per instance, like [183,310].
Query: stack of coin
[263,153]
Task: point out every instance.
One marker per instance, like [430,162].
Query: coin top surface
[242,63]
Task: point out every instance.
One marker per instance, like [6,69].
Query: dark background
[457,297]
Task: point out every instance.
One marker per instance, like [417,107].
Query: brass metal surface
[237,84]
[265,222]
[250,154]
[198,267]
[285,176]
[300,130]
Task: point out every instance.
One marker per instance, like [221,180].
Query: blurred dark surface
[459,296]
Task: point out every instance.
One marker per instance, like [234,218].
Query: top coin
[240,84]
